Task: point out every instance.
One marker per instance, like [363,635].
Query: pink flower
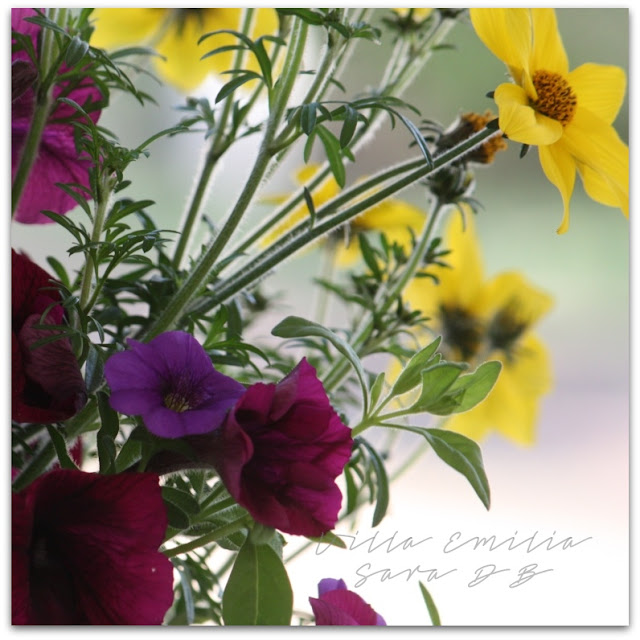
[280,450]
[58,160]
[46,383]
[338,606]
[85,550]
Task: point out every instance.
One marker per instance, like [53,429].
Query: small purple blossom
[172,384]
[337,606]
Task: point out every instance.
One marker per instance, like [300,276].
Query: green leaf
[238,81]
[349,126]
[462,454]
[468,390]
[107,433]
[369,257]
[382,484]
[411,375]
[258,591]
[435,382]
[308,146]
[296,327]
[431,606]
[308,117]
[177,518]
[307,15]
[61,448]
[94,369]
[330,538]
[376,388]
[332,149]
[76,50]
[308,198]
[181,499]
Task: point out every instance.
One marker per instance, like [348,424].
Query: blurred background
[574,482]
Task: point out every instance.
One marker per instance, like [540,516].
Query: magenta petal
[328,614]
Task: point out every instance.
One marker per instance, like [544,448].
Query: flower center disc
[556,99]
[176,402]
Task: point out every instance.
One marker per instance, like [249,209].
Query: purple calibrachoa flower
[336,605]
[57,160]
[172,384]
[280,450]
[85,550]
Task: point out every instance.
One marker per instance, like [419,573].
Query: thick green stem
[219,145]
[218,534]
[302,235]
[203,269]
[41,110]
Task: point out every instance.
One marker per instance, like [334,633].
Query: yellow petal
[520,122]
[596,146]
[119,27]
[392,215]
[548,51]
[506,33]
[599,89]
[510,291]
[560,168]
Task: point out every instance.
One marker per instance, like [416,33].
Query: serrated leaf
[296,327]
[431,605]
[258,591]
[411,375]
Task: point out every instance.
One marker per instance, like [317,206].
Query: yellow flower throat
[176,402]
[556,98]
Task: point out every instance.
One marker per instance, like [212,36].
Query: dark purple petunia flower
[58,160]
[280,450]
[85,550]
[338,606]
[172,384]
[46,383]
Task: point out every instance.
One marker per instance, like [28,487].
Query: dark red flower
[58,160]
[46,382]
[280,450]
[85,550]
[337,606]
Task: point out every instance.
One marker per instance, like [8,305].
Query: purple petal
[331,584]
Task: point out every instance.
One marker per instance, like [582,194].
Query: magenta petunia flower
[172,384]
[46,383]
[85,550]
[336,605]
[280,450]
[58,160]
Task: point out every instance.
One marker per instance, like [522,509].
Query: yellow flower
[174,34]
[419,13]
[568,115]
[396,218]
[482,320]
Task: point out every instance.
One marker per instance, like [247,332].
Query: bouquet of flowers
[166,455]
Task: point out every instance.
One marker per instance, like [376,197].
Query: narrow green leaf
[376,388]
[296,327]
[308,117]
[349,126]
[185,501]
[238,81]
[94,369]
[309,201]
[369,256]
[431,606]
[130,454]
[382,484]
[60,271]
[308,146]
[418,137]
[76,50]
[177,518]
[61,448]
[258,591]
[107,433]
[332,149]
[411,375]
[332,539]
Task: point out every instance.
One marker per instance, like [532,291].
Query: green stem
[219,145]
[36,467]
[41,111]
[218,534]
[302,235]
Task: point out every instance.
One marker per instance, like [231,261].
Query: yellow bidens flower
[396,218]
[418,13]
[568,115]
[174,34]
[487,320]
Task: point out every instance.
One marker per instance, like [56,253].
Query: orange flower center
[176,402]
[556,98]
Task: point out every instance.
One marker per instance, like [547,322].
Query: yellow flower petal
[602,191]
[548,51]
[419,13]
[522,123]
[560,168]
[506,33]
[120,27]
[511,291]
[600,89]
[595,145]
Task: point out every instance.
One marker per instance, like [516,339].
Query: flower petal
[560,168]
[506,33]
[118,27]
[598,150]
[548,51]
[599,88]
[520,122]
